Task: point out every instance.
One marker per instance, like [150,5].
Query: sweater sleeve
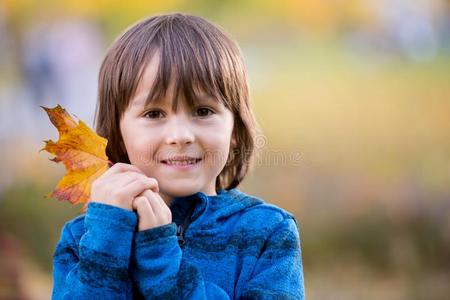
[97,266]
[278,273]
[160,272]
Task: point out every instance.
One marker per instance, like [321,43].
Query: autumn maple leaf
[81,151]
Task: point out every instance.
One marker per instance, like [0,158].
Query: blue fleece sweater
[237,246]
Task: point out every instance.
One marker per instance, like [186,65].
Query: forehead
[146,81]
[160,83]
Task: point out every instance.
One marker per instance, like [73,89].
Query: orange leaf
[81,151]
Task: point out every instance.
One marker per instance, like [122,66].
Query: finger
[120,181]
[139,185]
[154,187]
[164,205]
[150,196]
[161,201]
[160,208]
[142,206]
[122,167]
[125,178]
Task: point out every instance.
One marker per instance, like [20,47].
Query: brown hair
[193,53]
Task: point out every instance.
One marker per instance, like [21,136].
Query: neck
[169,198]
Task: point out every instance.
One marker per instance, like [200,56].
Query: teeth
[181,162]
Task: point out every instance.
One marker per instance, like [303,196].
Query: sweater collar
[181,206]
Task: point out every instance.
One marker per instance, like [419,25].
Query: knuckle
[124,167]
[147,194]
[132,167]
[152,180]
[118,166]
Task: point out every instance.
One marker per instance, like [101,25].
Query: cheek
[141,150]
[217,150]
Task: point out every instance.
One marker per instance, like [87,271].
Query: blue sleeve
[160,272]
[278,273]
[97,266]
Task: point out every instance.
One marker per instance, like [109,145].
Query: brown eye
[204,112]
[154,114]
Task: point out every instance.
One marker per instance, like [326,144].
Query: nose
[179,131]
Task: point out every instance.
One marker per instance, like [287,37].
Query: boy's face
[155,134]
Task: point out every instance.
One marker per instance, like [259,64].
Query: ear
[233,143]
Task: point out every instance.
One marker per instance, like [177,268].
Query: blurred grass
[34,220]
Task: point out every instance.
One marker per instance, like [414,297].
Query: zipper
[180,235]
[181,229]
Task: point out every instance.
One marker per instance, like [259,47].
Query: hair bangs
[187,66]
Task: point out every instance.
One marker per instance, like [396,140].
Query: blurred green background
[354,101]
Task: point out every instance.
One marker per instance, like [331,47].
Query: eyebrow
[142,100]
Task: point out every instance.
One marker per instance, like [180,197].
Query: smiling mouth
[184,162]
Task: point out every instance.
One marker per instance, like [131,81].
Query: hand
[120,184]
[152,210]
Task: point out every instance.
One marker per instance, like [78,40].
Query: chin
[179,190]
